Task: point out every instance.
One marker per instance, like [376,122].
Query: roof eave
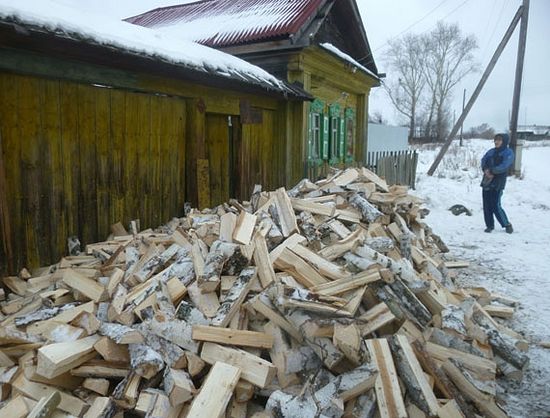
[39,39]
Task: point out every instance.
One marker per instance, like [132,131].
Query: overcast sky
[486,19]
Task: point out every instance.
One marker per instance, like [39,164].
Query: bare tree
[405,57]
[448,59]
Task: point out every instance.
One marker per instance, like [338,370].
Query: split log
[331,397]
[190,314]
[235,297]
[401,268]
[369,213]
[506,350]
[347,338]
[175,331]
[102,407]
[277,354]
[254,369]
[223,256]
[481,366]
[111,351]
[37,391]
[56,359]
[375,318]
[228,221]
[244,228]
[215,392]
[337,287]
[324,267]
[207,303]
[262,304]
[263,263]
[145,361]
[100,386]
[411,373]
[121,334]
[484,403]
[232,336]
[284,213]
[46,406]
[388,392]
[291,263]
[178,386]
[88,287]
[171,353]
[323,347]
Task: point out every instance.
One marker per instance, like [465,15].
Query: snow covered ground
[515,265]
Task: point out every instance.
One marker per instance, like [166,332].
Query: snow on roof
[346,57]
[67,22]
[228,22]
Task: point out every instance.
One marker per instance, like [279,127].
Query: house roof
[54,22]
[228,23]
[220,23]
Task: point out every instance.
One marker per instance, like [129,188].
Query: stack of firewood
[332,299]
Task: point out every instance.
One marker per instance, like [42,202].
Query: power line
[371,57]
[414,24]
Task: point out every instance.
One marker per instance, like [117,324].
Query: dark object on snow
[423,212]
[459,210]
[488,230]
[509,229]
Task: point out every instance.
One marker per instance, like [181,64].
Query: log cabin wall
[86,148]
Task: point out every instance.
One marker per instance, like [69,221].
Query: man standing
[495,165]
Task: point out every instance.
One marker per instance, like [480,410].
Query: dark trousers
[491,206]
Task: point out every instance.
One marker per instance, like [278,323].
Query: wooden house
[104,121]
[320,44]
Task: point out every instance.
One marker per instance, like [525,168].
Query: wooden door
[221,138]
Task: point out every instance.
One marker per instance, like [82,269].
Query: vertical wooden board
[165,153]
[217,143]
[130,157]
[181,139]
[28,109]
[47,131]
[174,146]
[243,169]
[117,155]
[57,216]
[88,190]
[68,108]
[11,154]
[141,176]
[103,160]
[154,161]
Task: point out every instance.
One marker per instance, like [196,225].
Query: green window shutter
[325,138]
[342,139]
[310,136]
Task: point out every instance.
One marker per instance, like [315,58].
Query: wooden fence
[396,167]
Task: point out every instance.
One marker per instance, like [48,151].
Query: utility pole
[477,90]
[462,126]
[517,87]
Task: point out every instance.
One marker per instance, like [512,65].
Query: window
[335,130]
[316,132]
[315,136]
[350,135]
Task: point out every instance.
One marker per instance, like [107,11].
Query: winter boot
[509,229]
[488,229]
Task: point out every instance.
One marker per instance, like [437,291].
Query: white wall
[387,138]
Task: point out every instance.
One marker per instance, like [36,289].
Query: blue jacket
[498,161]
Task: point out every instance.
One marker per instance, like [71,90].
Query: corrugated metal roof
[229,22]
